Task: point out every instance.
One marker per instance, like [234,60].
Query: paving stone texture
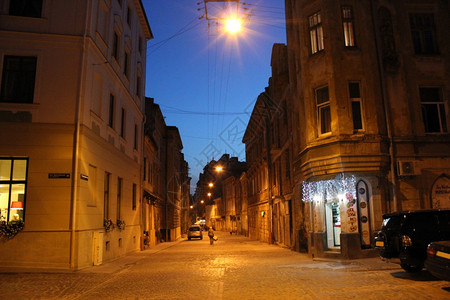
[233,268]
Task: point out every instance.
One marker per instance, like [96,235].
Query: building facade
[176,176]
[268,141]
[71,128]
[153,174]
[218,195]
[259,199]
[369,82]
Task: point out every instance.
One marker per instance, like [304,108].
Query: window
[26,8]
[135,137]
[323,110]
[126,63]
[119,197]
[287,164]
[18,79]
[140,45]
[13,182]
[128,16]
[316,33]
[145,168]
[138,85]
[92,186]
[106,195]
[122,123]
[111,111]
[423,32]
[134,197]
[115,46]
[433,110]
[355,98]
[347,23]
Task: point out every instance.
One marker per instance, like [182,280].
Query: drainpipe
[76,141]
[384,98]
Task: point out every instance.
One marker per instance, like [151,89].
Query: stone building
[268,140]
[71,128]
[369,82]
[175,178]
[165,179]
[219,186]
[259,200]
[153,174]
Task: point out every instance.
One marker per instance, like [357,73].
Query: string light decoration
[329,190]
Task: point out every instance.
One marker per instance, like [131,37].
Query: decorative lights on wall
[330,190]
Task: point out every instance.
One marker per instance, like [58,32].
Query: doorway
[333,224]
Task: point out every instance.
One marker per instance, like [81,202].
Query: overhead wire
[178,33]
[175,110]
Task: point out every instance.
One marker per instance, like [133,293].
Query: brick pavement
[234,268]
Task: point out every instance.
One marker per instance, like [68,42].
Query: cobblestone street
[233,268]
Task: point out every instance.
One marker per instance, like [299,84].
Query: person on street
[211,235]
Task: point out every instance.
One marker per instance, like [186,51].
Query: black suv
[404,236]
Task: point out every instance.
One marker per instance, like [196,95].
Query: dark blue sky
[205,81]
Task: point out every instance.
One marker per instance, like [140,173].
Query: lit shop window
[13,182]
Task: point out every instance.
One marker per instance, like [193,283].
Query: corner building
[71,130]
[369,82]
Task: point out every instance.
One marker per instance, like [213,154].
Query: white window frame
[348,26]
[320,107]
[440,109]
[316,33]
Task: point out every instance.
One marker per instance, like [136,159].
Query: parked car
[195,231]
[438,259]
[404,236]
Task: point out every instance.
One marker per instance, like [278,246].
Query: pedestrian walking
[211,235]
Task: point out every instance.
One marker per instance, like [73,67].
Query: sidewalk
[124,262]
[113,266]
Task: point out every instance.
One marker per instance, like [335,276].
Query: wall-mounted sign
[84,177]
[58,175]
[440,192]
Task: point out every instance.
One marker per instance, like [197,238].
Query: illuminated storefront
[340,219]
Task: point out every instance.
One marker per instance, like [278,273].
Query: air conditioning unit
[406,168]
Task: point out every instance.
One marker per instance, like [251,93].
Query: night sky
[206,81]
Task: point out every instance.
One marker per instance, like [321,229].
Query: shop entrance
[333,223]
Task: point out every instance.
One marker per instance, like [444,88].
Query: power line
[179,32]
[203,113]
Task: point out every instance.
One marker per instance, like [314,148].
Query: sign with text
[58,175]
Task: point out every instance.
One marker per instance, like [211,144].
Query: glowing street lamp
[210,184]
[219,168]
[233,25]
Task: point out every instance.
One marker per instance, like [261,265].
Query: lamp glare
[233,25]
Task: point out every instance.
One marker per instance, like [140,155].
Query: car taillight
[406,241]
[431,252]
